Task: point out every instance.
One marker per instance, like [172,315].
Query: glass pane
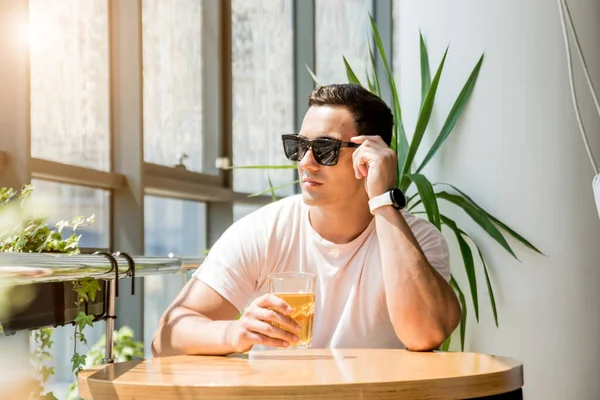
[172,64]
[60,201]
[341,29]
[69,82]
[396,40]
[171,226]
[64,202]
[263,91]
[241,210]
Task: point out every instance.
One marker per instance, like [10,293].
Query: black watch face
[398,198]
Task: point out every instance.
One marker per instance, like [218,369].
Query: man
[382,273]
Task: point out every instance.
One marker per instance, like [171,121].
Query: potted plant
[424,196]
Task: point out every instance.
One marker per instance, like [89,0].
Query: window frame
[130,178]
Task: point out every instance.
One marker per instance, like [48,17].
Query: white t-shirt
[350,309]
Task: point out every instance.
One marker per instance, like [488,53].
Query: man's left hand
[375,161]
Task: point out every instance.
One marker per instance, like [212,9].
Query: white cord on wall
[564,9]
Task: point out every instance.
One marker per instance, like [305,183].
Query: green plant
[427,196]
[125,349]
[30,233]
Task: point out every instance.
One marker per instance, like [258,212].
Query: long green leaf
[463,314]
[511,232]
[370,84]
[411,198]
[374,71]
[399,141]
[467,256]
[265,167]
[312,75]
[455,113]
[479,217]
[425,74]
[489,285]
[446,344]
[352,78]
[487,277]
[428,198]
[422,122]
[274,188]
[412,207]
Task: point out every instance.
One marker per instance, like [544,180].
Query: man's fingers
[259,338]
[275,303]
[271,331]
[272,316]
[360,160]
[369,140]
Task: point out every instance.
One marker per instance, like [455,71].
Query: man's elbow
[432,338]
[158,350]
[427,342]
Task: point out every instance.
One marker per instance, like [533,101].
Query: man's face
[329,185]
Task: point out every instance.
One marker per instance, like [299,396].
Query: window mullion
[127,211]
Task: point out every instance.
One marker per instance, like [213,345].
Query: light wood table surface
[307,374]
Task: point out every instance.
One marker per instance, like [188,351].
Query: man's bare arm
[423,307]
[201,321]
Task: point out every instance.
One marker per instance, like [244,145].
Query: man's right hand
[255,326]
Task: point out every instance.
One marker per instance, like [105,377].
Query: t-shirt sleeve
[432,243]
[232,265]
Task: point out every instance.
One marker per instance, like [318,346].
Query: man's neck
[340,224]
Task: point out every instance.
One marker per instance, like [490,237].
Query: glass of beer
[298,290]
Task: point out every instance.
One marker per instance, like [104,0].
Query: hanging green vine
[31,233]
[40,357]
[86,291]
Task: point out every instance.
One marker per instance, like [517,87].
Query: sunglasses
[325,151]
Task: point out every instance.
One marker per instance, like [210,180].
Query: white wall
[518,153]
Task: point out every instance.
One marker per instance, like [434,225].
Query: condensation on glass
[342,29]
[70,82]
[263,91]
[171,226]
[172,90]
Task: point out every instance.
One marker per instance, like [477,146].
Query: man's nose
[308,161]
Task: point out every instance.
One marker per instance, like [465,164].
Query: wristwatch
[394,198]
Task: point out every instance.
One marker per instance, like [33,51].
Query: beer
[298,290]
[303,311]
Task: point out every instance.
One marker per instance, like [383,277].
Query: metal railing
[30,268]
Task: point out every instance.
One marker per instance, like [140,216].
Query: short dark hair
[371,115]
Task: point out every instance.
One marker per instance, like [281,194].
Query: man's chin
[312,199]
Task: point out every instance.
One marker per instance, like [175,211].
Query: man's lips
[310,182]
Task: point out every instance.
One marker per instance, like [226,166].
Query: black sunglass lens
[294,148]
[326,152]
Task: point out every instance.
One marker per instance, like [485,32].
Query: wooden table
[308,374]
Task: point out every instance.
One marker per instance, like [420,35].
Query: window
[341,29]
[241,210]
[172,69]
[75,46]
[263,92]
[69,82]
[60,201]
[171,226]
[64,202]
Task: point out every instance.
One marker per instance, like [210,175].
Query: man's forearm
[183,331]
[423,308]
